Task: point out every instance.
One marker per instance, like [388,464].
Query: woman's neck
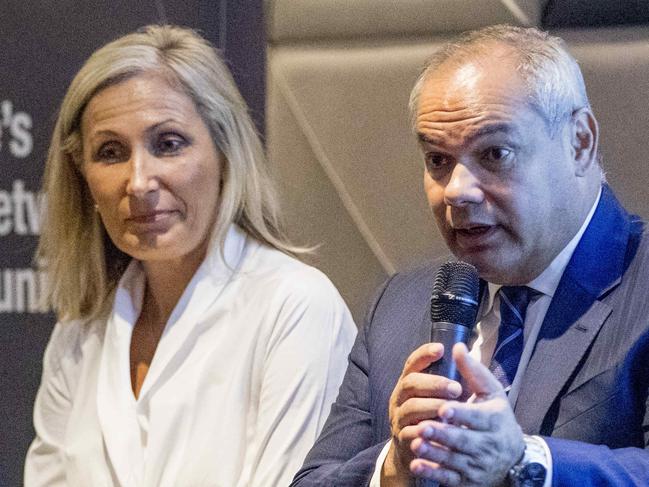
[165,283]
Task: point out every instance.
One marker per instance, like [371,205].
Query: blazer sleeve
[345,454]
[584,464]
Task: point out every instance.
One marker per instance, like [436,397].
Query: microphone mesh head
[455,294]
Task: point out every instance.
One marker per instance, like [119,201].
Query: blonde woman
[192,348]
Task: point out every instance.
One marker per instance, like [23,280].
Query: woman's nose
[143,177]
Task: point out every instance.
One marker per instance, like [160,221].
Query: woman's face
[152,168]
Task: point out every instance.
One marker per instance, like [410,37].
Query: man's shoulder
[417,276]
[405,296]
[415,281]
[637,256]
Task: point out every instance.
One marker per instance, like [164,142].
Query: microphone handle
[447,334]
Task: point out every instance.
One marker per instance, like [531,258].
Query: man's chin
[491,266]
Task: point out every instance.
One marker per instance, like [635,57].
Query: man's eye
[497,154]
[111,152]
[170,144]
[435,161]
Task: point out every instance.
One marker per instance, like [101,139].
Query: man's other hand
[473,443]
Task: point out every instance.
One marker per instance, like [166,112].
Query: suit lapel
[575,314]
[555,358]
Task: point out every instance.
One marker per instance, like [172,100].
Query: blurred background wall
[328,83]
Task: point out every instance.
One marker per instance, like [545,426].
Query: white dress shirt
[239,387]
[489,320]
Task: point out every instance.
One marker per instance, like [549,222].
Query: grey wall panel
[309,197]
[351,106]
[615,63]
[305,20]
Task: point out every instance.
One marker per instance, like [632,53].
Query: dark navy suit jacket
[585,389]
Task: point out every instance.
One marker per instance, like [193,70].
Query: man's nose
[463,187]
[143,176]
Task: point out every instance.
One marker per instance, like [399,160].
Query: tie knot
[513,304]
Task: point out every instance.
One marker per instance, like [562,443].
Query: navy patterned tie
[509,347]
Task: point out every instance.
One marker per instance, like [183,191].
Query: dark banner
[44,43]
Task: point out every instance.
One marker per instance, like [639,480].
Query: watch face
[532,475]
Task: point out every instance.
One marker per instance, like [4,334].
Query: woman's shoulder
[69,340]
[271,267]
[297,298]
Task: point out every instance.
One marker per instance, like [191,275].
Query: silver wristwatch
[531,470]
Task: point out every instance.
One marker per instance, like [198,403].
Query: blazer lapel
[575,314]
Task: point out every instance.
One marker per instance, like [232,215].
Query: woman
[191,348]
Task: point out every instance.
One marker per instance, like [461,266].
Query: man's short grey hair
[554,81]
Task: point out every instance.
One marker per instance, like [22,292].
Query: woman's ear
[584,134]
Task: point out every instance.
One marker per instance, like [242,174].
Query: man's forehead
[491,60]
[474,82]
[469,134]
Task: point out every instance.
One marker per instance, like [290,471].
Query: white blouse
[240,385]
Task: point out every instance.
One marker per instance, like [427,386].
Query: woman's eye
[170,144]
[111,152]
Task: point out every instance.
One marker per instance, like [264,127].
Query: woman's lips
[149,217]
[155,221]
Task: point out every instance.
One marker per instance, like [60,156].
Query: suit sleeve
[578,463]
[345,454]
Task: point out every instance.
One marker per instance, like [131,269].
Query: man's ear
[584,136]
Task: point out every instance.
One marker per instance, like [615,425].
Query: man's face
[498,183]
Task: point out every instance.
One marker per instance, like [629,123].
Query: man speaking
[558,369]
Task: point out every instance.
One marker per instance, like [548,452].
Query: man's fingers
[408,434]
[478,377]
[456,438]
[419,384]
[431,470]
[443,456]
[477,416]
[423,357]
[417,409]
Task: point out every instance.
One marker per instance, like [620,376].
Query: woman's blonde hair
[82,264]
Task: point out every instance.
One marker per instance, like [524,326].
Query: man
[513,179]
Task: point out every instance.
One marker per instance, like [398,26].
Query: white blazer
[237,392]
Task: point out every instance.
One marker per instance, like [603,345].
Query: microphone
[453,310]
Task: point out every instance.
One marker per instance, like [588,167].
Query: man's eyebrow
[490,129]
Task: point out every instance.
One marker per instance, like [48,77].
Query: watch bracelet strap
[535,452]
